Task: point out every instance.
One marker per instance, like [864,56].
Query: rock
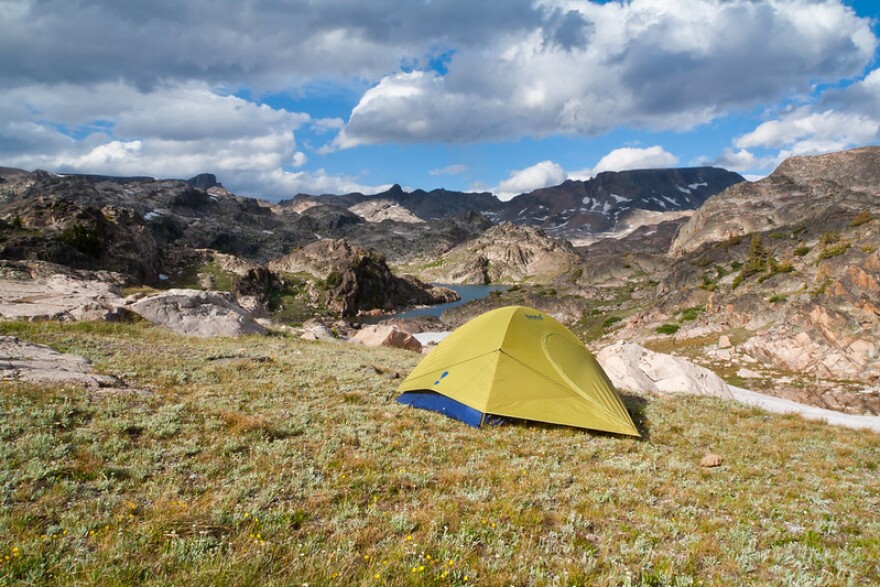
[748,374]
[42,291]
[359,280]
[318,332]
[378,335]
[507,254]
[711,460]
[35,363]
[379,209]
[635,368]
[724,342]
[197,313]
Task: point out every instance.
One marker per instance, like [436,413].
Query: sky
[279,97]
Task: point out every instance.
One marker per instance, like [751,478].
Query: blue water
[467,293]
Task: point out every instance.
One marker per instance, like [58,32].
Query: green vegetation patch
[276,461]
[667,328]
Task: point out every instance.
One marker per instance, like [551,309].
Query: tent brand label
[534,317]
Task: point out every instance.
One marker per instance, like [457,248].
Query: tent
[516,362]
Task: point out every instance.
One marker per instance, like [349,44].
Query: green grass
[275,461]
[667,328]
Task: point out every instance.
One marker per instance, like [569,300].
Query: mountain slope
[607,201]
[799,190]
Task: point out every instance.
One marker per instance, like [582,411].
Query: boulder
[710,460]
[198,313]
[379,335]
[635,368]
[35,363]
[318,332]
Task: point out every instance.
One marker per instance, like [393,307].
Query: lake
[467,293]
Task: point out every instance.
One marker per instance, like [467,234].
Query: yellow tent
[517,362]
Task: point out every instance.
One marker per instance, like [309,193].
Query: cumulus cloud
[272,43]
[741,160]
[626,158]
[657,65]
[170,131]
[805,131]
[540,175]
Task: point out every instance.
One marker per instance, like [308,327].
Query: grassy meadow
[275,461]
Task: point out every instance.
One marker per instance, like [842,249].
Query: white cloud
[456,169]
[806,131]
[172,131]
[660,65]
[540,175]
[740,161]
[628,158]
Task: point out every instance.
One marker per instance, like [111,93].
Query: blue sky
[278,97]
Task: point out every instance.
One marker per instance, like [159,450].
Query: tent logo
[445,373]
[533,316]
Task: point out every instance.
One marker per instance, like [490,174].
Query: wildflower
[246,514]
[465,579]
[376,576]
[334,575]
[409,537]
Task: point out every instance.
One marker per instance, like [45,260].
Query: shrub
[667,329]
[834,250]
[861,218]
[760,259]
[610,321]
[83,239]
[777,298]
[334,279]
[829,237]
[802,250]
[692,313]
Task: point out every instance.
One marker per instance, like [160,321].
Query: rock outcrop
[635,368]
[507,254]
[35,363]
[36,290]
[357,280]
[799,190]
[197,313]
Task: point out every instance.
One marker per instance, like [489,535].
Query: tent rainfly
[516,362]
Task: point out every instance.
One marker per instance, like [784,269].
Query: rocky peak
[611,200]
[204,181]
[856,169]
[800,190]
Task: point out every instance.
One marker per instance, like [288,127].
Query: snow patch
[694,186]
[163,277]
[784,406]
[152,215]
[620,199]
[686,190]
